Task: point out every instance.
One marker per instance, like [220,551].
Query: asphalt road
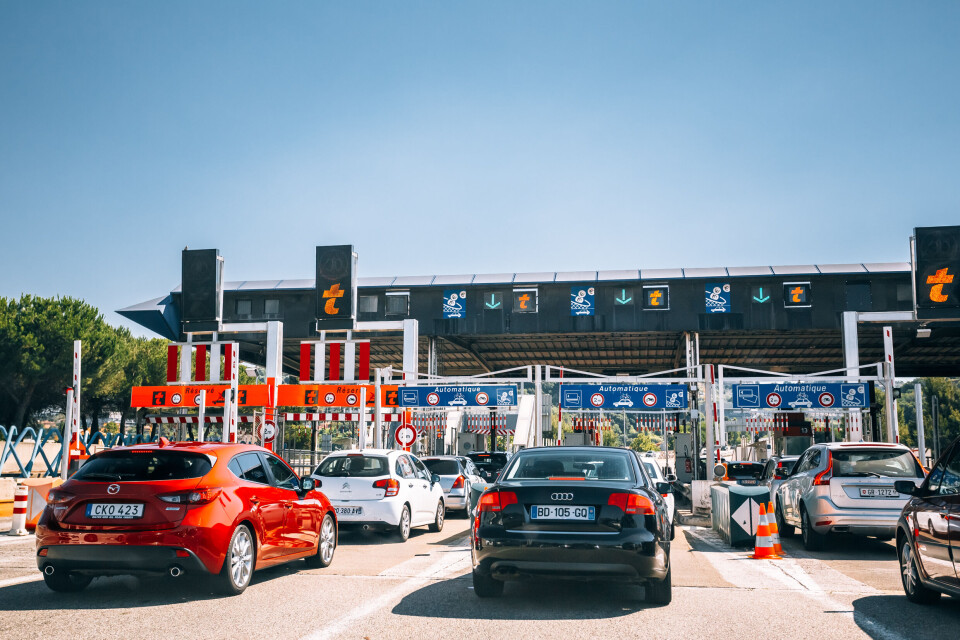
[381,588]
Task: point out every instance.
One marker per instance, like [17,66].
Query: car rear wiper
[103,475]
[861,474]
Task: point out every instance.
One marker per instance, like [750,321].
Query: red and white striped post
[19,526]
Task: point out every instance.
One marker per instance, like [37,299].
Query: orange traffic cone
[763,549]
[774,529]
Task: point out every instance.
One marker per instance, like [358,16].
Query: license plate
[878,493]
[114,510]
[555,512]
[349,511]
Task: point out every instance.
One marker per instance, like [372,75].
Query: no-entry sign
[405,435]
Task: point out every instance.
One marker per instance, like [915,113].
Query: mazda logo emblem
[561,496]
[113,489]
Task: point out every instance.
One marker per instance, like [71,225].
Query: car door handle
[254,500]
[410,485]
[287,505]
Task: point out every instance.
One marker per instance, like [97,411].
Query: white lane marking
[444,565]
[9,582]
[737,569]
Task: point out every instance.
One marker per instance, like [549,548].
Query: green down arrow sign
[760,297]
[624,298]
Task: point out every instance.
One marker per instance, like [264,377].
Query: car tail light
[197,496]
[458,483]
[632,503]
[823,478]
[59,498]
[497,500]
[390,487]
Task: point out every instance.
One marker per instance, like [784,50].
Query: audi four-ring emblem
[561,496]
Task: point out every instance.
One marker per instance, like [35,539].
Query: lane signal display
[937,260]
[656,298]
[525,300]
[797,294]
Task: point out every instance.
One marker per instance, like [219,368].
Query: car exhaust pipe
[48,570]
[175,571]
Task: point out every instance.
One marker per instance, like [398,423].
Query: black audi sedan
[581,513]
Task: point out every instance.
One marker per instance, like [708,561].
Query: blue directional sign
[454,303]
[806,395]
[459,396]
[581,301]
[637,397]
[718,298]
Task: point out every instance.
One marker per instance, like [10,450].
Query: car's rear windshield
[144,465]
[744,469]
[443,467]
[875,463]
[353,466]
[652,469]
[497,460]
[602,465]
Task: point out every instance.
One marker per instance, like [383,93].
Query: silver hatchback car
[846,487]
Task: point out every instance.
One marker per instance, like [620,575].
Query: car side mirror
[434,478]
[670,477]
[308,484]
[907,487]
[664,487]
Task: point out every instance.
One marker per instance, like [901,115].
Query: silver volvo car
[846,487]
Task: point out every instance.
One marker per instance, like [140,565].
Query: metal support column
[921,441]
[67,435]
[411,345]
[708,408]
[201,414]
[538,415]
[377,417]
[893,432]
[851,360]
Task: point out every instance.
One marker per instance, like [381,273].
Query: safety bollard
[19,526]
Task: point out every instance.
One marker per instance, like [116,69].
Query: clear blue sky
[465,137]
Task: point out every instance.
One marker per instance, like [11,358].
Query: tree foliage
[947,392]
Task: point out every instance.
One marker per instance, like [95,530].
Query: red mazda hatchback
[214,509]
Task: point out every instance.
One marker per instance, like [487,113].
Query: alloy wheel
[241,558]
[327,540]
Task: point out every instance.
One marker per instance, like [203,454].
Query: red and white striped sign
[194,369]
[484,424]
[336,417]
[191,419]
[347,360]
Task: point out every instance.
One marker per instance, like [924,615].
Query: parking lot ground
[381,588]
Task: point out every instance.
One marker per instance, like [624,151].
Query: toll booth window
[525,301]
[858,296]
[398,304]
[244,307]
[797,294]
[271,307]
[367,304]
[656,298]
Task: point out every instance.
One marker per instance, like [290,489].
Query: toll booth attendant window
[398,305]
[271,307]
[368,304]
[244,307]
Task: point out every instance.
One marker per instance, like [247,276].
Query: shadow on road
[879,615]
[839,547]
[531,600]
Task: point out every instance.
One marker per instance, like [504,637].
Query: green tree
[947,392]
[646,442]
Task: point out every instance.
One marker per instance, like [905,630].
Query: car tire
[812,541]
[403,529]
[437,525]
[910,577]
[486,587]
[660,591]
[326,544]
[239,563]
[783,529]
[67,581]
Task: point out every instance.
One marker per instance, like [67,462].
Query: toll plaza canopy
[782,318]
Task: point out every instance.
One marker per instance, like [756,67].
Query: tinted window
[443,467]
[490,460]
[884,463]
[405,468]
[950,483]
[744,469]
[134,466]
[353,466]
[603,465]
[936,474]
[421,470]
[252,468]
[652,470]
[282,475]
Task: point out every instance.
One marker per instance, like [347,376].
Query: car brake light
[497,500]
[458,483]
[197,496]
[390,487]
[823,478]
[56,497]
[632,503]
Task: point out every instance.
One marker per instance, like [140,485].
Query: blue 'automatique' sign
[805,395]
[459,396]
[623,396]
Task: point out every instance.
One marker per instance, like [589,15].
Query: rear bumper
[102,559]
[627,557]
[455,501]
[863,522]
[376,513]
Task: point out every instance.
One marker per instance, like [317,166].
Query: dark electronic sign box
[937,267]
[201,290]
[336,287]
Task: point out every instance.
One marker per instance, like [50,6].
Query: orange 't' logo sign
[938,280]
[524,299]
[795,294]
[655,296]
[334,292]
